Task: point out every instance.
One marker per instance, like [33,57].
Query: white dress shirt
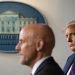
[69,70]
[37,64]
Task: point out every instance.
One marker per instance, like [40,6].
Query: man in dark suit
[36,42]
[70,36]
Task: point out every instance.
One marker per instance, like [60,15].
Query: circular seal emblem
[13,15]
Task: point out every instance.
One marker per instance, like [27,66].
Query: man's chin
[24,63]
[21,61]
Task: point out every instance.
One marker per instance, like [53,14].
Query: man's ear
[39,45]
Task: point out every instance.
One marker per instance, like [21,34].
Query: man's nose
[17,48]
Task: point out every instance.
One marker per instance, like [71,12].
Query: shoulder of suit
[71,56]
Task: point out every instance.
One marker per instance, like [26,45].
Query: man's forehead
[35,29]
[31,29]
[71,27]
[26,33]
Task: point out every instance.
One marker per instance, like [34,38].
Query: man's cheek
[24,45]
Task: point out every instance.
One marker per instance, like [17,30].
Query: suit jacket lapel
[69,63]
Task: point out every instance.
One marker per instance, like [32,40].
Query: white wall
[58,13]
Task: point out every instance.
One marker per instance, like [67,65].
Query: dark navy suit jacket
[69,62]
[49,67]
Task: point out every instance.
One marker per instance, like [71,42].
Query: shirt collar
[37,64]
